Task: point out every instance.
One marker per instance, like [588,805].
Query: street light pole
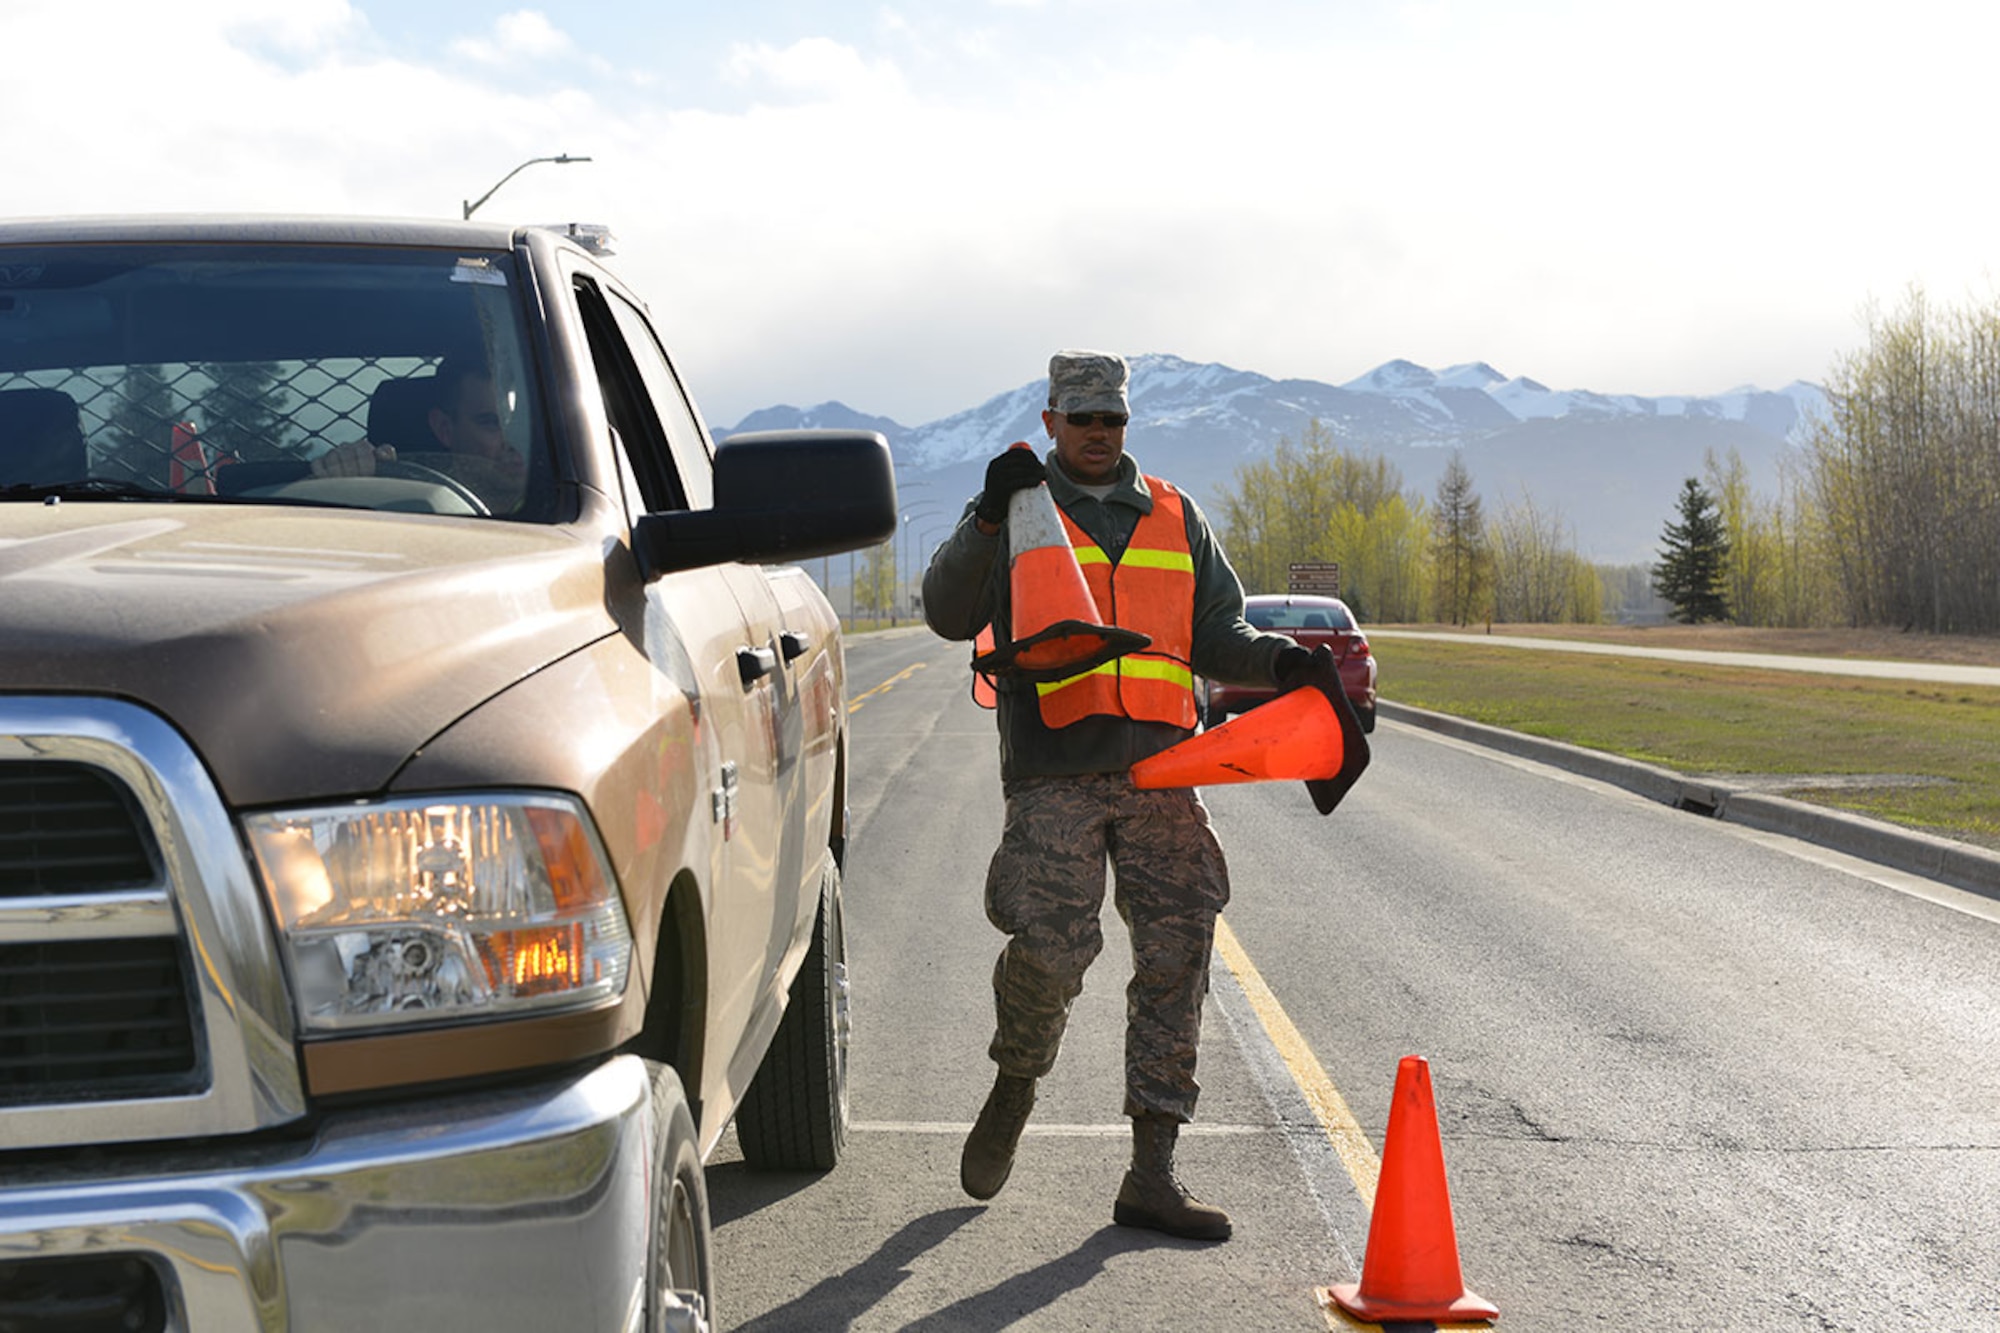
[561,159]
[917,565]
[896,561]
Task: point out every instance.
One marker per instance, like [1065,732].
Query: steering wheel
[408,471]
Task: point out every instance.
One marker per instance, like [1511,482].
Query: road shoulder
[1958,864]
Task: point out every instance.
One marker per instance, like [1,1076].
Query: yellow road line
[1356,1153]
[896,679]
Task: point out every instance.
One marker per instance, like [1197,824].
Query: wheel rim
[681,1256]
[680,1307]
[837,988]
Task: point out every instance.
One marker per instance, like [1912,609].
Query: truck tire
[680,1244]
[794,1114]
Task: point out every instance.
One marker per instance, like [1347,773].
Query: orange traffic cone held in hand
[1055,622]
[1309,733]
[1410,1270]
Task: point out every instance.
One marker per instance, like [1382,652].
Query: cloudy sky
[907,207]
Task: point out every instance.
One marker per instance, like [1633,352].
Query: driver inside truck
[461,436]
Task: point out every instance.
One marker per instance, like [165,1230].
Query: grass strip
[1918,754]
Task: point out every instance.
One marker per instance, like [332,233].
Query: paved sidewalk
[1944,673]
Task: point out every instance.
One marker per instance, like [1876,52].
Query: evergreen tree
[1460,559]
[246,413]
[1694,558]
[139,428]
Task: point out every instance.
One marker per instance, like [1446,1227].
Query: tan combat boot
[989,1149]
[1151,1197]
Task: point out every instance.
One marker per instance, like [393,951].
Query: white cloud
[1596,197]
[813,67]
[196,108]
[524,35]
[300,26]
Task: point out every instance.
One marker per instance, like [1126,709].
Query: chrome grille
[90,1020]
[141,994]
[68,828]
[82,1294]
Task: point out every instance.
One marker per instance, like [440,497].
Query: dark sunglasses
[1097,418]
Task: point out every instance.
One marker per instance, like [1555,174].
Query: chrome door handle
[753,664]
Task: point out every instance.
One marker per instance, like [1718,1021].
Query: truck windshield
[381,379]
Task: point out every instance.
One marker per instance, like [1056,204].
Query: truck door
[775,654]
[719,619]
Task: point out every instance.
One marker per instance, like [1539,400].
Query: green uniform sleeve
[1226,646]
[959,588]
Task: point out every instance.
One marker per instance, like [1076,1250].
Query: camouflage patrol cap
[1087,382]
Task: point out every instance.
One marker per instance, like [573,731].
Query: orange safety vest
[1149,589]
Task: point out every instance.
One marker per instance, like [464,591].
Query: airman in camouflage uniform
[1071,808]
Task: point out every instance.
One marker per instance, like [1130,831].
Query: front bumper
[523,1208]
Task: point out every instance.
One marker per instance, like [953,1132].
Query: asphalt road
[1689,1075]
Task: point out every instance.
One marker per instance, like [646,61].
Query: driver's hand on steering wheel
[353,460]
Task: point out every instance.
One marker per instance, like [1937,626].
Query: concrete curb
[1956,863]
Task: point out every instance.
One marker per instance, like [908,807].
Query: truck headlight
[444,907]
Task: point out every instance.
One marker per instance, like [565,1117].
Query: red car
[1312,621]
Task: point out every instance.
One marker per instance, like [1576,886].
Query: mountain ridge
[1608,465]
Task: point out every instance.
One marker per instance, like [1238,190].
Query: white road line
[1121,1130]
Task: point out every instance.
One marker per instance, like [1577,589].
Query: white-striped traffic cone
[1056,628]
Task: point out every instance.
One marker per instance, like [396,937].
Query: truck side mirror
[780,496]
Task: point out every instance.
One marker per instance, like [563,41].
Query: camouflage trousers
[1045,890]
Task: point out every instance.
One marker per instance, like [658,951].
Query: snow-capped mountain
[1610,465]
[829,416]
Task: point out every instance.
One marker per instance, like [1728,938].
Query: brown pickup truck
[422,785]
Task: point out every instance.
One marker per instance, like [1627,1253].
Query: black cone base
[1066,648]
[1326,792]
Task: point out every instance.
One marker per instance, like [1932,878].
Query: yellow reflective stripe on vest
[1180,561]
[1150,588]
[1044,688]
[1154,668]
[1090,553]
[1139,668]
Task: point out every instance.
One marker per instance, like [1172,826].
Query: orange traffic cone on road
[1310,733]
[1056,627]
[1410,1271]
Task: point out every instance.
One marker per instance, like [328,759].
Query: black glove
[1014,470]
[1294,666]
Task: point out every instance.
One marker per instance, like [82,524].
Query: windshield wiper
[92,488]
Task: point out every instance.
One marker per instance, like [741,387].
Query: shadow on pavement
[837,1301]
[1010,1302]
[734,1190]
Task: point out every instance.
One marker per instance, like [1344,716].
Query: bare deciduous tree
[1906,471]
[1537,575]
[1313,501]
